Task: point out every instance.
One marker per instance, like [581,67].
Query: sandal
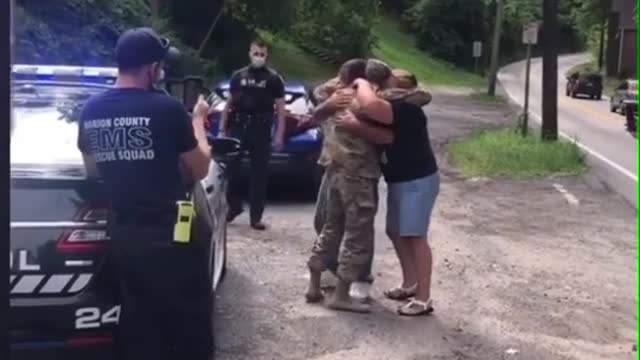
[400,293]
[416,308]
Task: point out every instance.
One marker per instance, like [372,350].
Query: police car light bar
[66,73]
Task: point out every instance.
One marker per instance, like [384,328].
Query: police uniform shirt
[254,90]
[136,137]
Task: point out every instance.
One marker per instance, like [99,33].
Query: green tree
[335,30]
[447,28]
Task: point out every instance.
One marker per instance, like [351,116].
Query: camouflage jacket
[342,150]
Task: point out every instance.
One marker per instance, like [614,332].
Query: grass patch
[486,98]
[294,64]
[505,152]
[398,49]
[609,83]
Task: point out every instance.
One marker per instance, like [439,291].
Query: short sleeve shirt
[136,137]
[255,90]
[410,156]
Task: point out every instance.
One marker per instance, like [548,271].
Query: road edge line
[582,146]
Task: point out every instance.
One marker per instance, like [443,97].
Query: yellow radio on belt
[182,229]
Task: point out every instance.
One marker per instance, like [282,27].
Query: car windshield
[36,94]
[593,78]
[299,104]
[44,117]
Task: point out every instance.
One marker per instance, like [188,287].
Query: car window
[214,99]
[300,105]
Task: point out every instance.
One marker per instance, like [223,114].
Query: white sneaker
[360,291]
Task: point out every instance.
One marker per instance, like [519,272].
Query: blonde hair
[405,79]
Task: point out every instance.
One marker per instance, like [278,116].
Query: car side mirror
[225,149]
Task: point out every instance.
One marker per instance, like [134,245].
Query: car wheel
[612,108]
[574,95]
[567,92]
[599,97]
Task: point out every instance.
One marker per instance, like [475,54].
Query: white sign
[530,33]
[477,49]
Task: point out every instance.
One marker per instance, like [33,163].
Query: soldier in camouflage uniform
[351,175]
[348,198]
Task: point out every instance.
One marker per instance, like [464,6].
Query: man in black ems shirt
[142,142]
[254,90]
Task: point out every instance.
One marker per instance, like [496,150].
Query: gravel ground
[522,271]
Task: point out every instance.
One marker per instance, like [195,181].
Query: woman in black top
[411,172]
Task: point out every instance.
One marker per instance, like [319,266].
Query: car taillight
[83,240]
[90,234]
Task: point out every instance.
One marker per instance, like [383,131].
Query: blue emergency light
[64,74]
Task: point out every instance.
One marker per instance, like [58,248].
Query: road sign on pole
[530,33]
[477,53]
[477,49]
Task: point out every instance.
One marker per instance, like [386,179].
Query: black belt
[254,118]
[145,216]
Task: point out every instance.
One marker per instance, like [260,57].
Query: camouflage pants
[344,219]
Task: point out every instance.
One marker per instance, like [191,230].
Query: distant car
[298,159]
[584,84]
[62,299]
[625,96]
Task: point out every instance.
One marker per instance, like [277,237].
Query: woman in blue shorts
[411,172]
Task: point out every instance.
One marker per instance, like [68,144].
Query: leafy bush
[447,28]
[81,32]
[335,31]
[84,32]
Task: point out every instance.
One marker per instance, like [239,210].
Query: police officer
[254,91]
[143,143]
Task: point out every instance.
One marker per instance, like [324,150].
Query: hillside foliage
[85,31]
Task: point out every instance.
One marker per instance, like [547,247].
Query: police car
[63,299]
[299,156]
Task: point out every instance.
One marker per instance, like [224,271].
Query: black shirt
[254,90]
[410,156]
[136,137]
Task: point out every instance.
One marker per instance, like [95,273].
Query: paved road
[599,132]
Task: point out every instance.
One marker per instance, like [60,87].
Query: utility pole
[601,50]
[154,5]
[529,37]
[549,70]
[604,7]
[495,47]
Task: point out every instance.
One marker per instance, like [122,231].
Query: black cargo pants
[165,292]
[254,132]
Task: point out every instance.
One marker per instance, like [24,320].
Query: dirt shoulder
[522,271]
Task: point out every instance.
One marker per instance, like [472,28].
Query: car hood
[40,137]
